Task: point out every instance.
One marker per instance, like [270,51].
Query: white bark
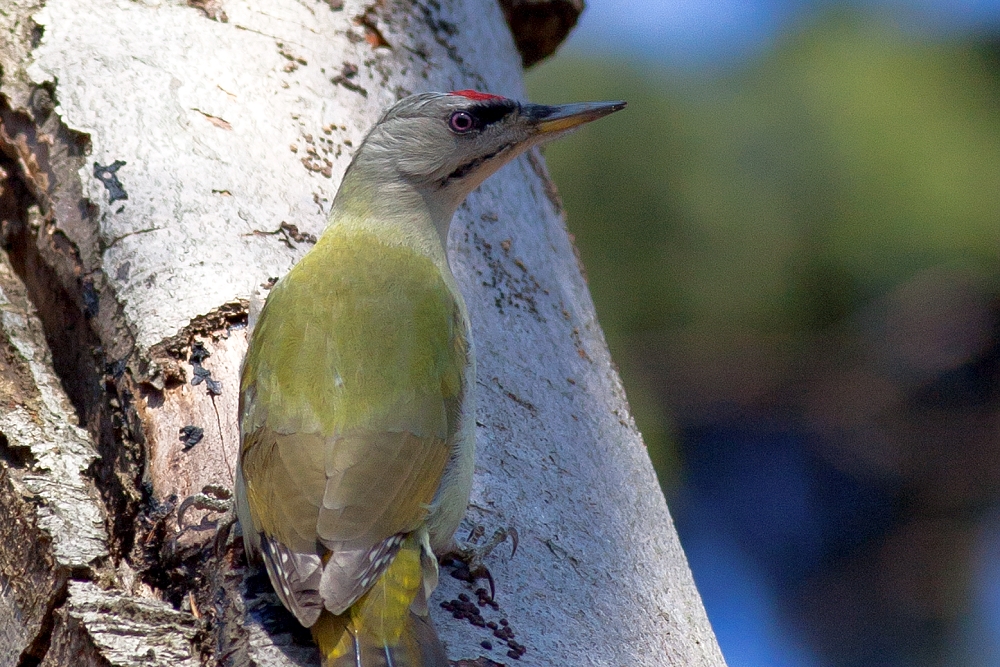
[205,114]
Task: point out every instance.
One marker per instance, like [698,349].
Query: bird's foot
[213,498]
[468,560]
[175,536]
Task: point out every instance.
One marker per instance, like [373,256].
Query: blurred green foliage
[773,202]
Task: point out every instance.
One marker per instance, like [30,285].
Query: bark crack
[136,232]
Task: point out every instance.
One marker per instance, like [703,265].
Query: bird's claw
[213,498]
[468,560]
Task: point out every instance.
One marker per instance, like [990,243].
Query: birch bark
[161,162]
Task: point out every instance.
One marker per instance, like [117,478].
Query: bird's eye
[461,122]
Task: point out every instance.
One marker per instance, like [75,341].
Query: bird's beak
[550,121]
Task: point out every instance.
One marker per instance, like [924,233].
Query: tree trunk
[159,163]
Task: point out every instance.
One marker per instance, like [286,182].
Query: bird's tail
[382,629]
[342,645]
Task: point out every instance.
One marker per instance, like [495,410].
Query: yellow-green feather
[380,620]
[357,361]
[360,335]
[350,402]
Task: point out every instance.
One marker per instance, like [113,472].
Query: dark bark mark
[540,26]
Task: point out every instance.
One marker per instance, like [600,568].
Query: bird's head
[446,144]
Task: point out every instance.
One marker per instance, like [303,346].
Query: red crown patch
[476,95]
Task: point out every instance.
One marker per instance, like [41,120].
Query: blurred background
[792,237]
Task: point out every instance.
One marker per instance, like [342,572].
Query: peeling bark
[96,627]
[162,162]
[51,516]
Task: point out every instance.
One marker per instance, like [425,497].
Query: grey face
[445,144]
[448,141]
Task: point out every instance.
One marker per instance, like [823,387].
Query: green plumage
[344,344]
[351,405]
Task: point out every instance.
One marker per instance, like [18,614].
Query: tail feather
[341,644]
[383,627]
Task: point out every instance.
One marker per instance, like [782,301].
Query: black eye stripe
[490,112]
[482,115]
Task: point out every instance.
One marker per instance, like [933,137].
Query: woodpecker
[357,416]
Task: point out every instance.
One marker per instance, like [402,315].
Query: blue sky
[695,32]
